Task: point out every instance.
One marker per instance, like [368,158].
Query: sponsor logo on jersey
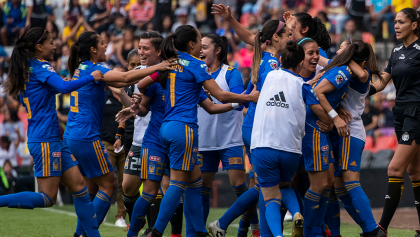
[82,67]
[353,163]
[313,92]
[235,161]
[278,100]
[405,136]
[402,56]
[387,197]
[315,207]
[105,150]
[416,46]
[56,154]
[325,148]
[344,75]
[397,48]
[130,153]
[184,62]
[195,149]
[203,65]
[337,215]
[155,158]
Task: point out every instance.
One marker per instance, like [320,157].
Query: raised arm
[360,72]
[65,87]
[243,33]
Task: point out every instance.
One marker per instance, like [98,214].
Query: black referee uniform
[404,67]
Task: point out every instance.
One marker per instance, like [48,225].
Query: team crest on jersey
[82,67]
[56,165]
[152,169]
[326,158]
[155,158]
[405,136]
[130,153]
[339,79]
[105,150]
[208,70]
[56,154]
[313,92]
[325,148]
[274,65]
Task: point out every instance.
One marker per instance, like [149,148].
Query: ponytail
[316,29]
[167,51]
[256,58]
[80,50]
[74,61]
[23,51]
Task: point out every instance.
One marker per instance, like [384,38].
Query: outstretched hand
[221,10]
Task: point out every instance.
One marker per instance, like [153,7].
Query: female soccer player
[403,68]
[178,132]
[32,76]
[317,150]
[283,97]
[82,134]
[220,135]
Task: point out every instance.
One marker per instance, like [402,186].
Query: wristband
[120,131]
[372,90]
[155,77]
[235,105]
[332,113]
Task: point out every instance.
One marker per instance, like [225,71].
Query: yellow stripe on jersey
[188,148]
[98,157]
[44,163]
[313,148]
[172,88]
[101,153]
[145,156]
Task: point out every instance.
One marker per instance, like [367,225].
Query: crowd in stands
[120,22]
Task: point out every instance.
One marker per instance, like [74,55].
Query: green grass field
[61,221]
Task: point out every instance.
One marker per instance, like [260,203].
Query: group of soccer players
[302,132]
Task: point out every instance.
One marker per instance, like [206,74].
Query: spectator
[379,11]
[116,29]
[253,25]
[12,127]
[337,14]
[326,21]
[165,10]
[72,8]
[37,14]
[268,9]
[14,20]
[202,15]
[386,118]
[370,118]
[4,183]
[4,62]
[63,108]
[357,9]
[141,12]
[99,16]
[293,6]
[75,26]
[398,5]
[232,4]
[8,150]
[117,8]
[125,46]
[351,32]
[246,56]
[110,49]
[63,61]
[182,14]
[166,25]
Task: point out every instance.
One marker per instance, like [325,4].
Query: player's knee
[395,170]
[414,173]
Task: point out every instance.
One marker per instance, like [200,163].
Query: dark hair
[23,51]
[316,29]
[156,39]
[222,43]
[413,15]
[176,42]
[324,14]
[13,115]
[71,6]
[302,42]
[292,55]
[357,51]
[80,50]
[133,52]
[264,36]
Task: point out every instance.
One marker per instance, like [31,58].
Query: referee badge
[405,136]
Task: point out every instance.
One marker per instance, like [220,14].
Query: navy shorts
[232,159]
[316,151]
[153,164]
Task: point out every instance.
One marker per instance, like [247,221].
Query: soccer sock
[194,205]
[300,200]
[139,211]
[348,205]
[129,203]
[416,190]
[310,214]
[79,226]
[25,200]
[264,227]
[85,213]
[243,203]
[176,220]
[189,227]
[392,199]
[323,206]
[333,215]
[153,211]
[361,203]
[290,200]
[245,221]
[272,213]
[205,195]
[102,203]
[283,212]
[170,201]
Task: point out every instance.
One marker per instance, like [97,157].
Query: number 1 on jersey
[75,96]
[28,107]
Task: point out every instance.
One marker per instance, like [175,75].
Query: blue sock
[79,226]
[102,203]
[348,205]
[272,213]
[85,212]
[300,201]
[255,220]
[25,200]
[333,215]
[170,201]
[264,227]
[311,203]
[290,200]
[243,203]
[205,195]
[323,206]
[189,226]
[195,205]
[141,207]
[245,221]
[283,212]
[361,203]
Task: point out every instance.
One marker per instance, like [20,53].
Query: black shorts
[407,124]
[127,141]
[133,161]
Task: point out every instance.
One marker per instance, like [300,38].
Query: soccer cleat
[417,233]
[378,232]
[127,228]
[382,232]
[202,234]
[121,222]
[327,231]
[297,230]
[176,235]
[215,230]
[146,233]
[154,233]
[256,233]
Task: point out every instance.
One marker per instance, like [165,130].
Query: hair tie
[303,40]
[41,37]
[268,41]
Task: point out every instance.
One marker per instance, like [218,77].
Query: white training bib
[140,123]
[219,131]
[279,121]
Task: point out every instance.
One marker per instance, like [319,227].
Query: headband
[281,24]
[40,37]
[303,40]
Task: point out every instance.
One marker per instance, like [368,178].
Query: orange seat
[385,143]
[368,143]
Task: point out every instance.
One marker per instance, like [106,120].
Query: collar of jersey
[185,53]
[286,70]
[304,76]
[87,62]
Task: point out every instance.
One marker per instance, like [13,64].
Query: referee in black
[404,69]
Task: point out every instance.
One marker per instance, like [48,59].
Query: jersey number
[28,107]
[172,89]
[75,108]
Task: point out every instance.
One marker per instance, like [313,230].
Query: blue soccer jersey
[306,79]
[183,89]
[38,97]
[87,105]
[268,63]
[340,78]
